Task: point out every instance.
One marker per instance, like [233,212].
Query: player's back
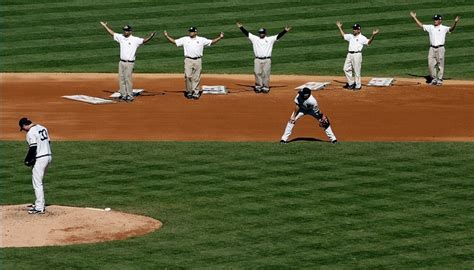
[38,136]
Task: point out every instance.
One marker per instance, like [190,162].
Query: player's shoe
[129,98]
[258,89]
[334,142]
[357,88]
[34,211]
[265,90]
[283,142]
[434,82]
[188,95]
[31,205]
[439,82]
[196,95]
[349,86]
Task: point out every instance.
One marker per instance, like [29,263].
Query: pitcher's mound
[61,225]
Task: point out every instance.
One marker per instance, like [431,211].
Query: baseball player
[307,104]
[353,63]
[262,49]
[193,50]
[437,33]
[38,157]
[128,49]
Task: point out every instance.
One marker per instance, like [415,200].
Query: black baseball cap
[192,29]
[356,26]
[24,121]
[305,92]
[127,28]
[437,17]
[262,30]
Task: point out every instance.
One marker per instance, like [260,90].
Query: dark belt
[352,52]
[194,58]
[263,58]
[436,47]
[127,61]
[47,155]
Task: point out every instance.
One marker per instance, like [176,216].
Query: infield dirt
[408,111]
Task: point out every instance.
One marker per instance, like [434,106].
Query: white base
[381,82]
[313,85]
[89,99]
[214,89]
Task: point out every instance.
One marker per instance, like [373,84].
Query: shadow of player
[306,139]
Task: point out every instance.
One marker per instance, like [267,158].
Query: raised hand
[413,14]
[104,24]
[457,18]
[339,24]
[287,28]
[239,24]
[221,35]
[375,32]
[165,33]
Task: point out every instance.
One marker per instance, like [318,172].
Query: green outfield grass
[260,205]
[65,36]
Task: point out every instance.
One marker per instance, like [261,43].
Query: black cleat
[334,142]
[283,142]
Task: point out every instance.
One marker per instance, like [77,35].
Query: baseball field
[395,193]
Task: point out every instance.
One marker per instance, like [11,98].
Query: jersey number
[44,134]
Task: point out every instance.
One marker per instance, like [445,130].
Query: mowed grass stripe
[375,204]
[74,49]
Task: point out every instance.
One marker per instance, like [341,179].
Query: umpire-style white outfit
[436,53]
[353,64]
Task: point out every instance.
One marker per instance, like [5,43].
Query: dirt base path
[61,225]
[408,111]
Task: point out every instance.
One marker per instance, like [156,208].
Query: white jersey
[128,46]
[437,33]
[38,136]
[356,43]
[193,47]
[307,105]
[262,47]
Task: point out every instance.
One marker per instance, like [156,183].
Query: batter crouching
[306,104]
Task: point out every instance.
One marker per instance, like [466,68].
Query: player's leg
[258,74]
[289,127]
[188,74]
[348,71]
[196,80]
[357,64]
[128,80]
[267,65]
[38,171]
[440,61]
[122,89]
[432,64]
[324,123]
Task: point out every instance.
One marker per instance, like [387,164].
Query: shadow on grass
[306,139]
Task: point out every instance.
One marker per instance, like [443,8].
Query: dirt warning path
[408,111]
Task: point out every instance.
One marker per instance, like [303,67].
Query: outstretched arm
[170,39]
[110,31]
[413,15]
[282,33]
[374,33]
[149,37]
[221,36]
[294,114]
[241,26]
[339,26]
[456,20]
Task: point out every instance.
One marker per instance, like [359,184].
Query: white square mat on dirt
[136,92]
[313,85]
[89,99]
[384,82]
[214,89]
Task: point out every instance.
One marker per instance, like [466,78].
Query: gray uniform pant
[352,68]
[436,62]
[313,113]
[262,69]
[125,78]
[192,74]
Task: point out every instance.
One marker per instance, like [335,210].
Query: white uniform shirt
[309,104]
[262,47]
[356,43]
[193,47]
[128,46]
[437,33]
[38,136]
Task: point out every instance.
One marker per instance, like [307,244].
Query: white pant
[39,170]
[352,68]
[289,126]
[436,62]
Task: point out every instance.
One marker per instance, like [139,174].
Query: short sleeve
[31,139]
[347,37]
[139,41]
[252,37]
[365,41]
[118,37]
[273,38]
[447,29]
[426,27]
[206,42]
[179,42]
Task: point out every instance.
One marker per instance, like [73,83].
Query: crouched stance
[306,104]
